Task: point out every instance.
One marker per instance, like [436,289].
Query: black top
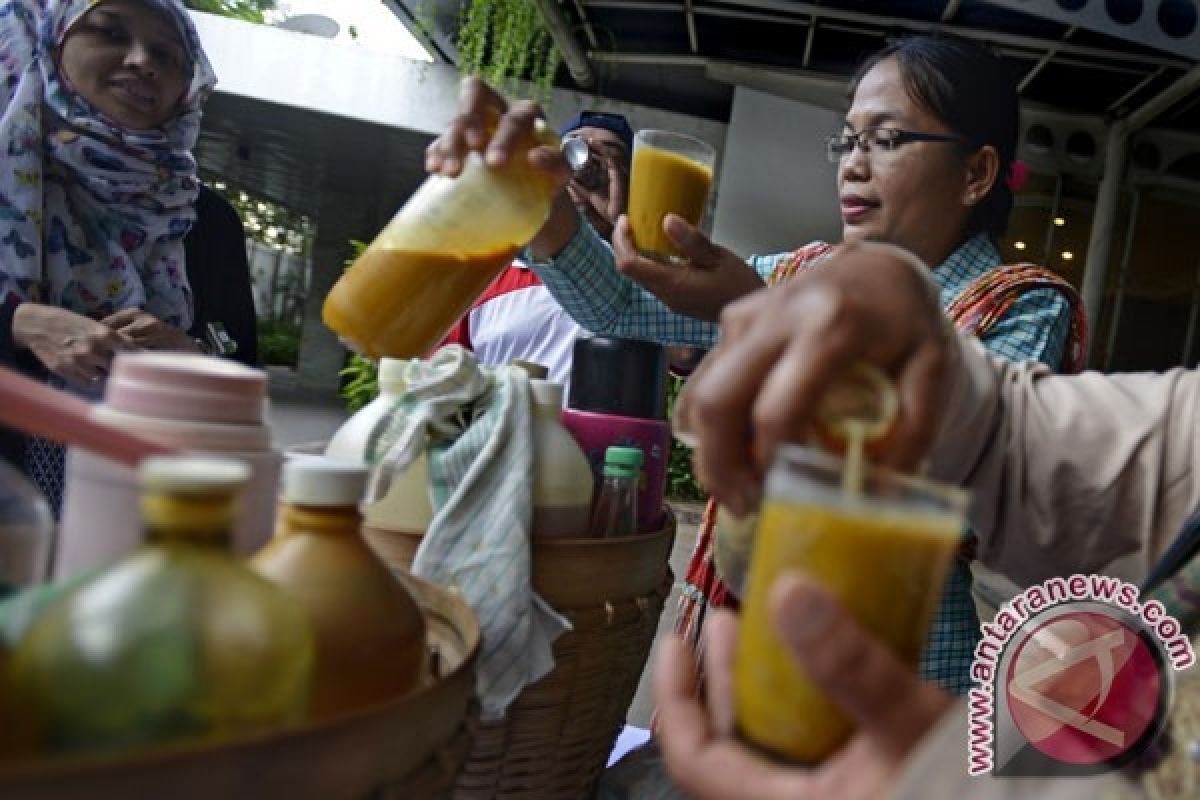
[219,274]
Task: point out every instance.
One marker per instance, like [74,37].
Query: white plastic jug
[563,481]
[405,507]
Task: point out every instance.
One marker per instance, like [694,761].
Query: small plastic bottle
[615,513]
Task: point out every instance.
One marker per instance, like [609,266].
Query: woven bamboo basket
[411,747]
[557,735]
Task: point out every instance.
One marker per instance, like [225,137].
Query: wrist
[560,228]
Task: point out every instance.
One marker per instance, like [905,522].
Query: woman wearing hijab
[100,105]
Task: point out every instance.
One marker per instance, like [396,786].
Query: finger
[818,349]
[550,161]
[883,695]
[121,318]
[921,391]
[720,413]
[704,766]
[694,245]
[515,130]
[720,647]
[616,189]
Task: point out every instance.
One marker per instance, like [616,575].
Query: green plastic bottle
[178,641]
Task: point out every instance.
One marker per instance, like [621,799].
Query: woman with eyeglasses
[924,161]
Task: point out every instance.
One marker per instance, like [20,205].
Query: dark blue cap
[600,119]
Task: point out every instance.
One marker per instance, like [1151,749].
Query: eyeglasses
[883,140]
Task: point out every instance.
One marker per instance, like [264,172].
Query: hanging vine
[506,43]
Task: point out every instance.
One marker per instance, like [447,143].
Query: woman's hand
[713,278]
[77,349]
[487,124]
[891,706]
[147,331]
[781,348]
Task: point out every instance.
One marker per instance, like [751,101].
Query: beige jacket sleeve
[1069,472]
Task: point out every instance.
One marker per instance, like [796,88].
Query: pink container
[596,432]
[195,403]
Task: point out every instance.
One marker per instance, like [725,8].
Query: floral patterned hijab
[92,215]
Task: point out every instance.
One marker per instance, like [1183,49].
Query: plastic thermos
[618,398]
[191,402]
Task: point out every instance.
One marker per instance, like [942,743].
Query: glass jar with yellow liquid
[879,542]
[179,641]
[441,250]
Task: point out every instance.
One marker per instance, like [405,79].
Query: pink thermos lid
[187,387]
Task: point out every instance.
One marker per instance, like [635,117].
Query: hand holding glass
[882,553]
[671,174]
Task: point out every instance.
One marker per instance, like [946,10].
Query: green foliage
[506,42]
[360,381]
[249,10]
[278,342]
[681,481]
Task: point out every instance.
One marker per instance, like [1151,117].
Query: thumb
[687,237]
[858,672]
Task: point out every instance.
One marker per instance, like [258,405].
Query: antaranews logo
[1073,677]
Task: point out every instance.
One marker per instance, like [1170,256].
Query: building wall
[776,189]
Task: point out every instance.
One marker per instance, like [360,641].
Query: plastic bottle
[195,403]
[563,482]
[369,632]
[438,254]
[179,641]
[405,507]
[616,505]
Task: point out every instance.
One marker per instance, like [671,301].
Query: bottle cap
[323,482]
[623,461]
[534,370]
[391,374]
[546,393]
[196,475]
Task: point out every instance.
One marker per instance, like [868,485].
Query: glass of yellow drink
[882,548]
[671,174]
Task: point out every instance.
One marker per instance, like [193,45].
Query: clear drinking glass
[671,174]
[883,554]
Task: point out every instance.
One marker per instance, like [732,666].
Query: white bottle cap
[547,393]
[192,474]
[323,482]
[391,375]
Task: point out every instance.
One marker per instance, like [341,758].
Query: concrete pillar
[1108,198]
[342,217]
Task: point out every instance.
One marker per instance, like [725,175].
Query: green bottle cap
[623,461]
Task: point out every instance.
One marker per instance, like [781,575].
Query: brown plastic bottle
[369,632]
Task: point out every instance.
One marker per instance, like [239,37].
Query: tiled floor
[298,417]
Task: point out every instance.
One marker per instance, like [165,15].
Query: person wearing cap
[517,317]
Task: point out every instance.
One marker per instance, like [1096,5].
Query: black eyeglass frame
[899,137]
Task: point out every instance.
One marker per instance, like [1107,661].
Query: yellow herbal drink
[671,174]
[883,552]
